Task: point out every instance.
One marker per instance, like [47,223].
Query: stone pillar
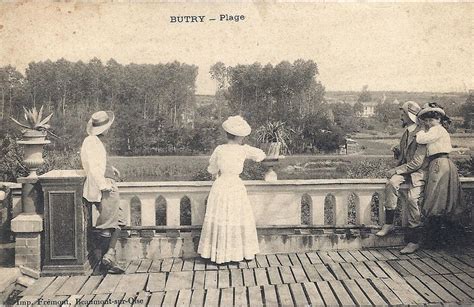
[28,228]
[65,224]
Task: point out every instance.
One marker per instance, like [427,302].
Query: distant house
[369,108]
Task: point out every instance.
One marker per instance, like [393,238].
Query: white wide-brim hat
[427,108]
[411,108]
[236,125]
[99,122]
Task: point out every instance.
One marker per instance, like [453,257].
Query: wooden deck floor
[362,277]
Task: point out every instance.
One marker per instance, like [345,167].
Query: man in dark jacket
[412,167]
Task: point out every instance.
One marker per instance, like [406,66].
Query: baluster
[198,208]
[317,211]
[381,207]
[173,202]
[148,214]
[364,210]
[341,207]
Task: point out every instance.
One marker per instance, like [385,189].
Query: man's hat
[411,109]
[99,122]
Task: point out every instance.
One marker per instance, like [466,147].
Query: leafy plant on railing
[34,120]
[274,132]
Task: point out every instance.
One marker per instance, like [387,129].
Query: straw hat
[431,107]
[236,125]
[99,122]
[411,109]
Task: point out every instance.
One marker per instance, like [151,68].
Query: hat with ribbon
[99,122]
[411,109]
[236,125]
[431,107]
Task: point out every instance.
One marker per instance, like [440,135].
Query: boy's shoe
[386,229]
[410,248]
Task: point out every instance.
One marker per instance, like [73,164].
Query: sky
[404,46]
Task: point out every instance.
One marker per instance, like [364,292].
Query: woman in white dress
[229,232]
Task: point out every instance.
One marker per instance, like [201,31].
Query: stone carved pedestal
[65,235]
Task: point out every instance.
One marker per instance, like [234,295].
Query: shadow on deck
[357,277]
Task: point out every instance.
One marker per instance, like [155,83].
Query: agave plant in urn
[34,138]
[274,137]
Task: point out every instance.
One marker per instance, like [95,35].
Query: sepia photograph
[236,153]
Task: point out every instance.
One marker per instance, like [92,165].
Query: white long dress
[229,232]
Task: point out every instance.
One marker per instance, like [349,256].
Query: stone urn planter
[33,142]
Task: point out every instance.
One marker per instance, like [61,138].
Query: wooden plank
[388,295]
[398,268]
[155,266]
[299,274]
[199,264]
[114,299]
[233,265]
[423,267]
[367,254]
[210,266]
[358,256]
[243,265]
[341,293]
[284,295]
[326,293]
[184,297]
[252,264]
[197,299]
[236,278]
[286,275]
[357,294]
[312,273]
[140,300]
[294,259]
[270,296]
[370,292]
[375,269]
[156,299]
[436,288]
[166,264]
[108,284]
[210,281]
[350,270]
[90,285]
[249,278]
[240,296]
[410,268]
[38,286]
[363,270]
[227,297]
[261,276]
[156,282]
[424,291]
[313,257]
[434,265]
[458,283]
[177,265]
[324,272]
[466,259]
[255,296]
[274,276]
[443,262]
[400,256]
[387,254]
[298,295]
[273,260]
[199,279]
[377,254]
[335,257]
[72,285]
[55,285]
[132,267]
[404,292]
[170,298]
[347,256]
[179,280]
[391,273]
[315,298]
[338,271]
[144,266]
[303,259]
[132,283]
[222,266]
[223,279]
[284,259]
[262,261]
[451,288]
[462,266]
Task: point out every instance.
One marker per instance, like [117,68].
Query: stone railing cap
[58,174]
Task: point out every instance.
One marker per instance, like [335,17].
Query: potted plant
[36,127]
[274,137]
[34,134]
